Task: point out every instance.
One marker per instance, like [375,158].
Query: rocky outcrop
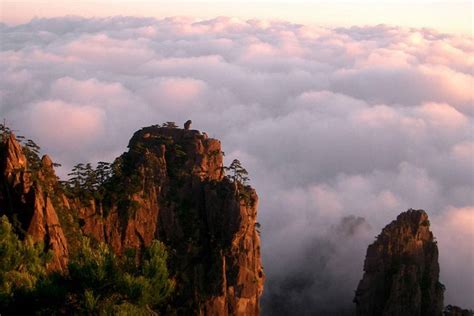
[26,198]
[170,185]
[401,270]
[177,193]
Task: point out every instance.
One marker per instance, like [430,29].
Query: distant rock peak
[401,271]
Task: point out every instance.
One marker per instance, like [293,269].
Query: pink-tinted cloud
[75,126]
[102,94]
[443,116]
[456,238]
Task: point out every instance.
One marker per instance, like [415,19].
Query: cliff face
[26,198]
[176,191]
[401,270]
[170,186]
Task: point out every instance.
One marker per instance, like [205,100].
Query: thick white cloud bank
[340,129]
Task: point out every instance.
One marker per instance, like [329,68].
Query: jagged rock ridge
[170,186]
[401,271]
[26,197]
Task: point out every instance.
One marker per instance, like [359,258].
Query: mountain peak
[401,270]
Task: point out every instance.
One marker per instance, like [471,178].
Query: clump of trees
[97,282]
[22,263]
[87,182]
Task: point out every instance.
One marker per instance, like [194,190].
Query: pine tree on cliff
[239,173]
[4,132]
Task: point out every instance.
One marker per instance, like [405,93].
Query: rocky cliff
[26,197]
[170,186]
[401,270]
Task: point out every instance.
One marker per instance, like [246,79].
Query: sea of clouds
[340,129]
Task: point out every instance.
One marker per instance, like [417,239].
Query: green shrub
[22,263]
[97,282]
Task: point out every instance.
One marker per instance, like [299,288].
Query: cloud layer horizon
[340,129]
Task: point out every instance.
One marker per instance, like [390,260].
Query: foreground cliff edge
[170,186]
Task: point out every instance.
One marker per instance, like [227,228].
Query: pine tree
[103,172]
[90,179]
[239,173]
[22,263]
[76,179]
[4,132]
[32,153]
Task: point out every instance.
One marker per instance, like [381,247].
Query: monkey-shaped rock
[187,125]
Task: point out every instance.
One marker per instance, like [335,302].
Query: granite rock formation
[401,271]
[26,197]
[169,186]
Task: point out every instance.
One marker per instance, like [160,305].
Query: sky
[453,16]
[341,127]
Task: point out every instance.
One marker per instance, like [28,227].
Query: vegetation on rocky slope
[96,281]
